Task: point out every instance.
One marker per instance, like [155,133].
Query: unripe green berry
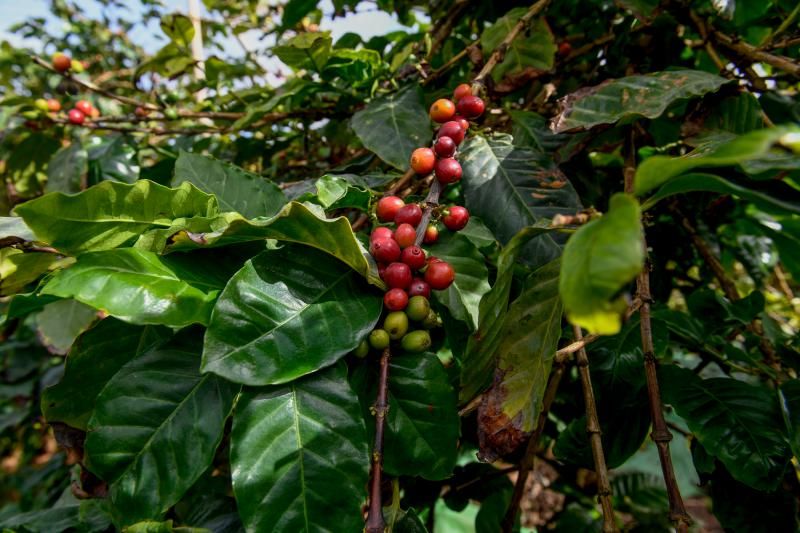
[418,308]
[379,339]
[416,341]
[362,349]
[396,324]
[432,320]
[171,113]
[41,105]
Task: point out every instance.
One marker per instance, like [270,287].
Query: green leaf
[751,146]
[535,49]
[472,277]
[422,425]
[179,29]
[112,158]
[394,125]
[14,230]
[155,428]
[26,164]
[736,422]
[529,339]
[356,67]
[111,214]
[599,261]
[140,287]
[95,358]
[67,514]
[295,10]
[287,313]
[150,526]
[695,181]
[790,408]
[510,188]
[19,268]
[334,192]
[299,455]
[307,50]
[481,352]
[530,131]
[67,168]
[646,95]
[236,190]
[60,323]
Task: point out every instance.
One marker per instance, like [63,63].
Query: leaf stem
[375,522]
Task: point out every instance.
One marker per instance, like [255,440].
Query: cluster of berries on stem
[82,108]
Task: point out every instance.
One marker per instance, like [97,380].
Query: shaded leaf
[112,158]
[60,323]
[307,50]
[18,268]
[530,131]
[790,408]
[68,514]
[536,48]
[67,168]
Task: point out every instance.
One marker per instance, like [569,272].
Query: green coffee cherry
[362,349]
[41,105]
[171,113]
[418,308]
[396,324]
[76,66]
[379,339]
[416,341]
[432,320]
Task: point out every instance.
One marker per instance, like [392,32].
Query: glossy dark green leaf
[112,158]
[738,423]
[600,259]
[790,407]
[67,168]
[307,50]
[287,313]
[236,189]
[335,193]
[394,125]
[67,514]
[472,277]
[510,188]
[60,323]
[534,49]
[646,95]
[111,214]
[299,455]
[528,341]
[140,287]
[480,355]
[95,358]
[532,132]
[155,428]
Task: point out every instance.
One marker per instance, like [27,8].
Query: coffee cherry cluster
[82,108]
[409,273]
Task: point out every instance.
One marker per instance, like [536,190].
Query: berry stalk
[375,522]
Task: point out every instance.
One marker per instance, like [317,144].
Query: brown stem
[445,26]
[593,429]
[375,522]
[500,52]
[660,433]
[526,464]
[431,202]
[450,62]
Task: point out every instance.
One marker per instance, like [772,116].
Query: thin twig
[444,27]
[757,56]
[594,431]
[660,434]
[785,24]
[450,63]
[431,202]
[528,458]
[375,522]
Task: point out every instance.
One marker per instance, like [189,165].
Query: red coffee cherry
[439,275]
[442,110]
[461,120]
[431,234]
[388,206]
[564,48]
[414,257]
[456,218]
[76,116]
[398,276]
[444,147]
[471,107]
[61,62]
[385,250]
[84,107]
[448,170]
[381,232]
[453,130]
[461,91]
[409,214]
[395,299]
[381,269]
[422,160]
[141,111]
[419,287]
[405,235]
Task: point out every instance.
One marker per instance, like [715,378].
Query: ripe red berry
[53,105]
[380,232]
[381,269]
[419,287]
[448,170]
[395,299]
[84,107]
[564,48]
[461,91]
[385,250]
[456,218]
[388,207]
[431,234]
[453,130]
[422,160]
[405,235]
[61,62]
[461,120]
[439,275]
[409,214]
[76,116]
[471,107]
[398,276]
[414,257]
[444,147]
[442,110]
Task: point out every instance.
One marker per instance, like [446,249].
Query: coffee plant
[512,267]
